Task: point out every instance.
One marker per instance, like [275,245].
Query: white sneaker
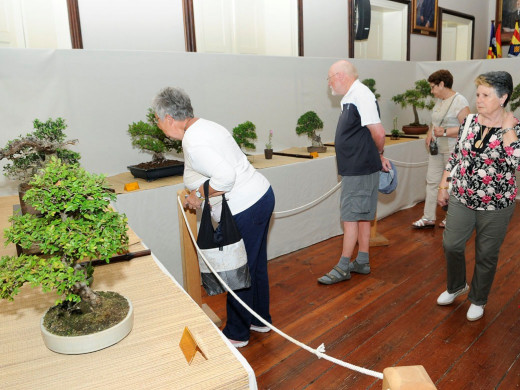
[238,344]
[447,299]
[475,312]
[260,329]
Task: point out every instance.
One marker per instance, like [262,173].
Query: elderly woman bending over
[482,169]
[210,152]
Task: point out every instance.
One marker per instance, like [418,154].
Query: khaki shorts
[359,197]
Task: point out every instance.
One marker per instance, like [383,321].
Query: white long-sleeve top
[210,152]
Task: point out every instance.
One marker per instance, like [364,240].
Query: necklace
[478,144]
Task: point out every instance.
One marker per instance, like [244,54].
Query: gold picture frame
[425,14]
[506,14]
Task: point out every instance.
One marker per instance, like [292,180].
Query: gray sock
[362,258]
[343,264]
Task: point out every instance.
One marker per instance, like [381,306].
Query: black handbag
[223,248]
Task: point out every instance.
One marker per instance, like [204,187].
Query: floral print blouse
[485,177]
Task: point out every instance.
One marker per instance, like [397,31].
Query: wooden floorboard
[388,318]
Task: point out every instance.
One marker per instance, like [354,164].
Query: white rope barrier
[281,214]
[286,213]
[319,352]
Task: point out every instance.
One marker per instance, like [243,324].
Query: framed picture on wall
[508,12]
[424,17]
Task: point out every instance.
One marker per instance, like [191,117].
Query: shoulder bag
[223,248]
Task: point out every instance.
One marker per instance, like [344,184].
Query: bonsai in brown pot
[419,97]
[28,154]
[308,124]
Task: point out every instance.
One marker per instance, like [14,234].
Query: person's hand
[438,131]
[385,163]
[443,197]
[428,139]
[192,202]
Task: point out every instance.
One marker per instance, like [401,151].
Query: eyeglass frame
[329,77]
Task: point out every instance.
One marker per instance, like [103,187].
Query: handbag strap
[462,137]
[206,197]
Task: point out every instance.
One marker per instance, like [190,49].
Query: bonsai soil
[83,320]
[158,164]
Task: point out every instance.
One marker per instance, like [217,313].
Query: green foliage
[76,225]
[514,101]
[371,84]
[308,124]
[419,97]
[244,134]
[147,136]
[29,153]
[394,133]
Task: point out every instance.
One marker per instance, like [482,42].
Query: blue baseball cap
[388,180]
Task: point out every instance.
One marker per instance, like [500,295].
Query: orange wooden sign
[189,346]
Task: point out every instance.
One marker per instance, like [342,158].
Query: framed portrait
[424,17]
[508,12]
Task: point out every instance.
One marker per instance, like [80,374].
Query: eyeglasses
[328,78]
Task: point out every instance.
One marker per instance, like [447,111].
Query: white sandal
[423,223]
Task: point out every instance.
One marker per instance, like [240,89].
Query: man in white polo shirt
[359,142]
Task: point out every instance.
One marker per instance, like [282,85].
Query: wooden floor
[388,318]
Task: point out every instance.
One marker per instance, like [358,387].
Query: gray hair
[500,81]
[174,102]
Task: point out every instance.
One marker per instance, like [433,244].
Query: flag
[498,40]
[514,46]
[492,49]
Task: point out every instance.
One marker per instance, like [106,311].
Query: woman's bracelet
[442,188]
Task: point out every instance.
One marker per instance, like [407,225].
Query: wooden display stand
[190,262]
[377,239]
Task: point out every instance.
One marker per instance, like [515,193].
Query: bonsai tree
[76,226]
[146,136]
[29,153]
[244,134]
[418,97]
[515,98]
[371,84]
[308,124]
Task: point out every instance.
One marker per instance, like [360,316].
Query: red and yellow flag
[498,40]
[514,46]
[492,48]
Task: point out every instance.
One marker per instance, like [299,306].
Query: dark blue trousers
[253,224]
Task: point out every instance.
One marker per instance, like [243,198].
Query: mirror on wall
[456,32]
[389,37]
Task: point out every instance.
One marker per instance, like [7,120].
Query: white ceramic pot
[74,345]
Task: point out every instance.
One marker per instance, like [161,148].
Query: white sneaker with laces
[447,299]
[260,329]
[475,312]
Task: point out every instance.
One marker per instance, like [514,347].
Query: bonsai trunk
[84,291]
[415,116]
[157,157]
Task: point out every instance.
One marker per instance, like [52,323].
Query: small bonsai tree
[147,136]
[29,153]
[371,84]
[308,124]
[244,134]
[418,97]
[76,225]
[515,98]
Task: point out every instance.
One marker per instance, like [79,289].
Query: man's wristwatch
[198,194]
[445,129]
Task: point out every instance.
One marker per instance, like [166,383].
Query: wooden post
[377,239]
[190,261]
[407,378]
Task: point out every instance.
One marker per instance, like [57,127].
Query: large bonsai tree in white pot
[76,226]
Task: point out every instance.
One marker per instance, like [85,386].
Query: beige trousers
[436,167]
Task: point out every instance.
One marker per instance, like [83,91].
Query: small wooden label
[131,186]
[189,346]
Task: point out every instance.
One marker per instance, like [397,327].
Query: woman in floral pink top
[482,171]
